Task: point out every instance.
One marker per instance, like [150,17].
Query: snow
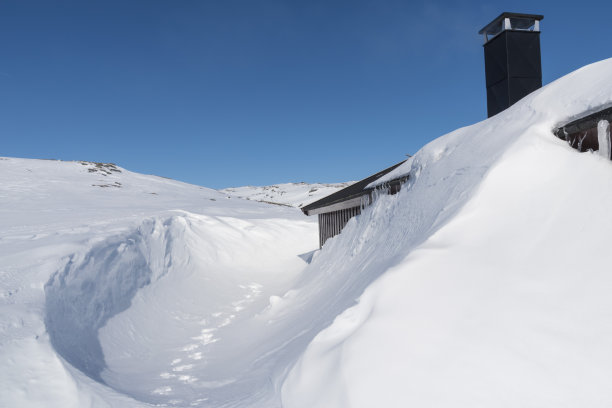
[291,194]
[118,296]
[503,299]
[483,282]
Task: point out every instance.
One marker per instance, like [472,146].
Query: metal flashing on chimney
[511,21]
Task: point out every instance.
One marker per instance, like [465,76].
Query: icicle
[582,140]
[603,137]
[365,201]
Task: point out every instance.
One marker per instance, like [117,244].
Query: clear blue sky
[228,93]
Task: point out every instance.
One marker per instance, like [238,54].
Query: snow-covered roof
[347,197]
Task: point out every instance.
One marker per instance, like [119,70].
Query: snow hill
[292,194]
[484,282]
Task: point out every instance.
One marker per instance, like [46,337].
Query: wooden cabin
[337,209]
[585,134]
[512,70]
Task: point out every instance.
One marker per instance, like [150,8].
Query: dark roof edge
[352,191]
[507,14]
[583,123]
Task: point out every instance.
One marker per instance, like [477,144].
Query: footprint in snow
[187,379]
[190,347]
[166,390]
[167,375]
[182,367]
[196,356]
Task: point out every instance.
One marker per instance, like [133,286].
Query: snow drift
[482,283]
[145,313]
[496,289]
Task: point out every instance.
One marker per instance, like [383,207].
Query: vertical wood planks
[332,223]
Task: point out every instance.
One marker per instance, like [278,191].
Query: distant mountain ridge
[289,194]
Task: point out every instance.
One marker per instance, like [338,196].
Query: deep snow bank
[87,293]
[92,288]
[496,291]
[161,314]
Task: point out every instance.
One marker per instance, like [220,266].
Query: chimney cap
[517,21]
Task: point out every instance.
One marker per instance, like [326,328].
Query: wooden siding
[332,223]
[335,210]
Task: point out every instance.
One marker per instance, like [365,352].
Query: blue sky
[229,93]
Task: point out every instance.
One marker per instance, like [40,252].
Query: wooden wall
[332,223]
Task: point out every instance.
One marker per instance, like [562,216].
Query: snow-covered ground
[484,282]
[292,194]
[116,278]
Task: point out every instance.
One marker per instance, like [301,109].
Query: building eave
[350,193]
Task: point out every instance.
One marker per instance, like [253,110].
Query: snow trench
[170,313]
[91,289]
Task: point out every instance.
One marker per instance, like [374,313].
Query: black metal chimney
[513,67]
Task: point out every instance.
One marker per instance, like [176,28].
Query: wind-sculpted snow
[493,258]
[81,298]
[169,314]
